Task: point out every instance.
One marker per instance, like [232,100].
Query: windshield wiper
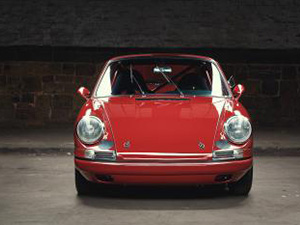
[170,81]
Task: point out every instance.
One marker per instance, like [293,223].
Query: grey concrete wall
[183,23]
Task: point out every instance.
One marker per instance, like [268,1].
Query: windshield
[161,76]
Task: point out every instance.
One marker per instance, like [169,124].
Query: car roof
[161,55]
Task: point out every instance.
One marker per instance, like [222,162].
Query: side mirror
[84,92]
[238,91]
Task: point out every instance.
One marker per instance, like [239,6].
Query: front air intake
[105,178]
[105,155]
[223,177]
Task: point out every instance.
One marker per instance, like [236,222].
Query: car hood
[163,125]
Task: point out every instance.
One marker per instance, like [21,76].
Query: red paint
[238,91]
[84,92]
[159,172]
[164,136]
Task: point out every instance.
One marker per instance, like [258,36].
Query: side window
[218,83]
[104,89]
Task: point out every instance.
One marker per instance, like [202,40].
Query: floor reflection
[162,197]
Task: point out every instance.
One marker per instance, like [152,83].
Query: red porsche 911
[163,119]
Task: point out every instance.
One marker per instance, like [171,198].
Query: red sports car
[163,119]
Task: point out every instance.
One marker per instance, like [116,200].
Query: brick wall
[272,92]
[42,93]
[49,48]
[39,93]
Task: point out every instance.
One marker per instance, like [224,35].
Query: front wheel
[83,186]
[243,186]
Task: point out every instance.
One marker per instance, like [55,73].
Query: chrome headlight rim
[234,140]
[96,138]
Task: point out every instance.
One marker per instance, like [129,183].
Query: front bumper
[163,172]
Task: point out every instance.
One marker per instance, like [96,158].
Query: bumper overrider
[163,169]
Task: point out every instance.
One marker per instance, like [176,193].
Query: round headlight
[90,129]
[238,129]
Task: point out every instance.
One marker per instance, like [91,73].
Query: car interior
[142,80]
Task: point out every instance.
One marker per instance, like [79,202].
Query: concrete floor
[40,190]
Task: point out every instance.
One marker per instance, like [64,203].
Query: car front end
[164,138]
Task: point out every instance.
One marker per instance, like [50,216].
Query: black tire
[83,186]
[243,186]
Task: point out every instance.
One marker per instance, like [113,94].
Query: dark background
[50,48]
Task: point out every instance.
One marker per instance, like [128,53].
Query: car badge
[201,145]
[126,144]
